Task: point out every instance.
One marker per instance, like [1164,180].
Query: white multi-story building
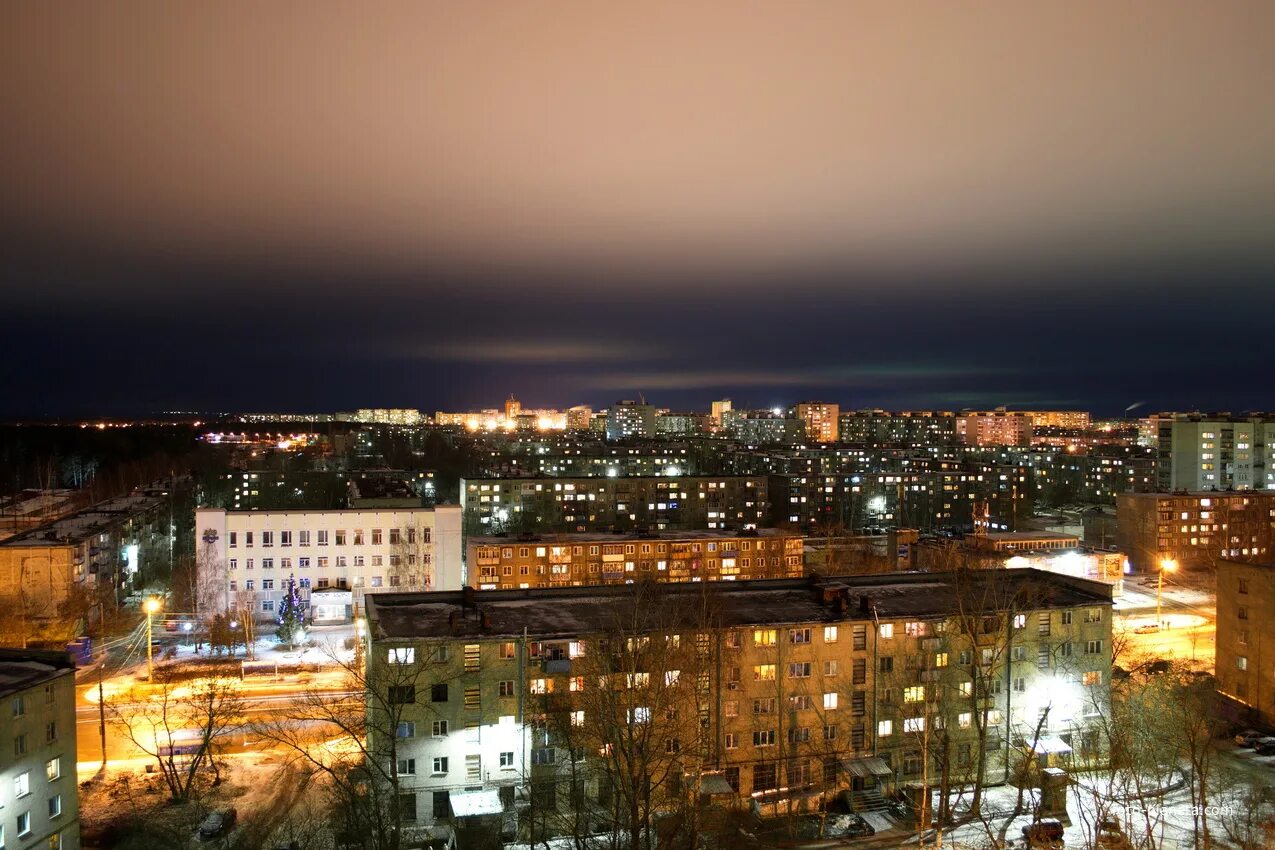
[1216,452]
[38,802]
[245,558]
[630,419]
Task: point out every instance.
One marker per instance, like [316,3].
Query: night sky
[316,206]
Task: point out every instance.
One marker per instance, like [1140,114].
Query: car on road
[1248,738]
[217,824]
[1264,747]
[1149,629]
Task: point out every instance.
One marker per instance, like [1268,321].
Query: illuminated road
[1189,627]
[260,701]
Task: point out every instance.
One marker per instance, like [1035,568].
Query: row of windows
[266,539]
[412,580]
[342,561]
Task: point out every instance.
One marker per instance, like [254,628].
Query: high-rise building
[720,408]
[821,420]
[579,418]
[513,409]
[999,427]
[39,804]
[1216,451]
[1077,419]
[627,419]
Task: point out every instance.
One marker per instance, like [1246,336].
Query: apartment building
[99,548]
[822,420]
[997,427]
[671,424]
[764,427]
[1246,637]
[764,692]
[672,501]
[1194,528]
[627,419]
[39,805]
[1078,420]
[246,558]
[906,428]
[1215,451]
[573,560]
[924,494]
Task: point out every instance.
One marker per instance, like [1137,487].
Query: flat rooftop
[571,611]
[83,524]
[21,669]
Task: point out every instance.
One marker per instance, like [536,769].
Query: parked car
[859,827]
[1248,738]
[217,824]
[1264,747]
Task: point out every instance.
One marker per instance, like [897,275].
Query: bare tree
[181,727]
[353,742]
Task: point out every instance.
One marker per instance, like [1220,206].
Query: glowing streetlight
[1167,565]
[150,606]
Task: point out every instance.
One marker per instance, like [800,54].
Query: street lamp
[150,606]
[1167,565]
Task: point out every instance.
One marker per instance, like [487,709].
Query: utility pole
[101,673]
[151,606]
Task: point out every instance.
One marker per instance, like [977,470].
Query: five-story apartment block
[562,560]
[774,692]
[39,806]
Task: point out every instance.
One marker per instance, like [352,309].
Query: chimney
[453,621]
[486,620]
[865,605]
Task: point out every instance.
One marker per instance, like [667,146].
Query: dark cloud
[238,205]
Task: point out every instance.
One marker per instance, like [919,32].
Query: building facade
[822,420]
[1195,529]
[96,551]
[671,501]
[629,419]
[1215,451]
[573,560]
[245,559]
[765,692]
[39,804]
[1246,637]
[994,428]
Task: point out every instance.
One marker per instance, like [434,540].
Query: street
[1188,630]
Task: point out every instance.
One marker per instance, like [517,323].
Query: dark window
[407,807]
[765,776]
[438,693]
[402,694]
[442,804]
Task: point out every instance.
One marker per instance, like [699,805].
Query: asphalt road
[1190,628]
[257,706]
